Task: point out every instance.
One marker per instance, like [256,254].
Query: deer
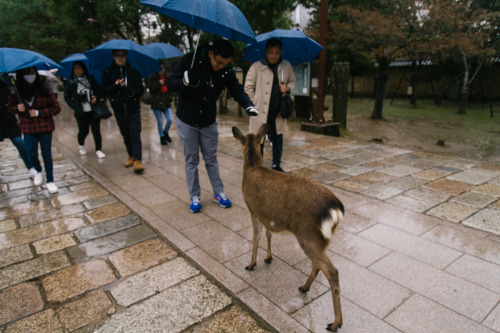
[283,202]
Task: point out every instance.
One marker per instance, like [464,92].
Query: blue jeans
[159,120]
[18,142]
[31,143]
[193,140]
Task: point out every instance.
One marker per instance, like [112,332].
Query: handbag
[101,110]
[147,98]
[286,106]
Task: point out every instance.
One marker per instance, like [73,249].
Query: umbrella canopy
[219,17]
[163,50]
[67,64]
[139,57]
[12,59]
[48,74]
[297,48]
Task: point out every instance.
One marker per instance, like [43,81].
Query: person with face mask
[81,91]
[267,80]
[35,106]
[123,85]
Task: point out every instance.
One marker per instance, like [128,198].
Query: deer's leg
[320,259]
[269,257]
[314,272]
[257,228]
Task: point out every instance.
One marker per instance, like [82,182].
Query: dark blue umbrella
[12,59]
[139,57]
[297,48]
[67,64]
[219,17]
[163,50]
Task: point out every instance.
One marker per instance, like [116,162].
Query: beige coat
[258,85]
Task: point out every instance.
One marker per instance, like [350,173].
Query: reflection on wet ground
[115,251]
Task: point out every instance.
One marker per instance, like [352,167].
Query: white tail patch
[328,225]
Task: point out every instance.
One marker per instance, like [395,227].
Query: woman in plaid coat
[35,106]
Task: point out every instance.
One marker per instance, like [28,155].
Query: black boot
[277,167]
[163,141]
[167,136]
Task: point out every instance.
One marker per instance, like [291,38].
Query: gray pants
[193,140]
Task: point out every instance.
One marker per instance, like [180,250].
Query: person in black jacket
[80,92]
[123,85]
[199,85]
[161,103]
[9,129]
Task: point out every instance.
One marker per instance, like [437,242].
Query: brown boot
[138,168]
[129,162]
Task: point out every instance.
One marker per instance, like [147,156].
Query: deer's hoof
[333,327]
[304,290]
[268,260]
[250,268]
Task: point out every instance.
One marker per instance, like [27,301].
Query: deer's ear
[237,134]
[262,132]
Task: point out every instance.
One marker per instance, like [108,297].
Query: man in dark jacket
[199,85]
[123,85]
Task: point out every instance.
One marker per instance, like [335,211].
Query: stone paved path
[82,261]
[418,251]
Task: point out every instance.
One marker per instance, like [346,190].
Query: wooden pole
[323,25]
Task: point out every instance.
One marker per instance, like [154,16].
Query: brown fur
[285,202]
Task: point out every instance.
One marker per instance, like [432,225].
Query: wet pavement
[418,250]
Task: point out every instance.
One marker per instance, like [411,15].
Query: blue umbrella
[67,64]
[12,59]
[219,17]
[297,48]
[163,50]
[139,57]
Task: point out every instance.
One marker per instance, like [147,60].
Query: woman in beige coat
[266,82]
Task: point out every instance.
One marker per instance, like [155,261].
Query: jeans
[18,142]
[86,122]
[159,120]
[193,140]
[130,128]
[31,144]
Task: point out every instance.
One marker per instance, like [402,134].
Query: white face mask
[30,78]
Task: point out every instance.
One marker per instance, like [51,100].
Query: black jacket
[9,127]
[73,99]
[123,99]
[197,103]
[160,101]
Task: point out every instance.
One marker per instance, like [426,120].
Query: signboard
[302,74]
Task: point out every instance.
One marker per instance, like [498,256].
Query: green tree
[464,34]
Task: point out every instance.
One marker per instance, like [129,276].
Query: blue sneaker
[195,205]
[222,200]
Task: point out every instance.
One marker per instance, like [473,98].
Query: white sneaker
[32,173]
[100,154]
[82,150]
[38,179]
[52,187]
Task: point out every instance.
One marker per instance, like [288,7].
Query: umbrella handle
[15,87]
[195,49]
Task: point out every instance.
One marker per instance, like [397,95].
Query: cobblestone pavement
[418,250]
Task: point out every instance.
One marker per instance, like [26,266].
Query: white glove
[252,111]
[186,78]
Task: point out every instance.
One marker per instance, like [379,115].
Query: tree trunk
[413,100]
[462,104]
[340,93]
[380,91]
